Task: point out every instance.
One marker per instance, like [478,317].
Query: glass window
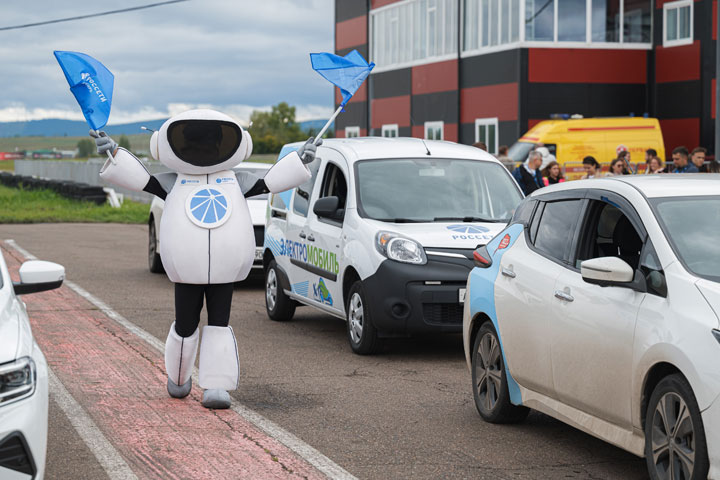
[677,23]
[609,233]
[486,131]
[524,211]
[390,131]
[572,20]
[334,185]
[636,21]
[352,132]
[540,20]
[606,20]
[557,227]
[434,130]
[490,23]
[304,191]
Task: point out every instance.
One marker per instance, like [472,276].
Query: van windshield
[435,190]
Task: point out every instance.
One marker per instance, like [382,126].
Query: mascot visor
[204,143]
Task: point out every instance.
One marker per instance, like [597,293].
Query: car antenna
[427,150]
[147,129]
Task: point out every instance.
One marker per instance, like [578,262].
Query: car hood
[711,291]
[447,235]
[258,209]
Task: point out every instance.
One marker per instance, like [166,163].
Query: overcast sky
[232,55]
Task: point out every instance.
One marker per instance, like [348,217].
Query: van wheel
[675,444]
[279,306]
[360,329]
[154,261]
[490,386]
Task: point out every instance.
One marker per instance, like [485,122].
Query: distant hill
[74,128]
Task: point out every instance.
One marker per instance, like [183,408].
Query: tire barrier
[74,190]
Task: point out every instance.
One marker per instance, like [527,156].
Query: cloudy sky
[232,55]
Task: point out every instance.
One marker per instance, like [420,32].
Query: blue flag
[347,73]
[91,83]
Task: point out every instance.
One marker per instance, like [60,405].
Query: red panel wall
[499,101]
[677,64]
[381,3]
[683,131]
[563,65]
[351,33]
[435,77]
[391,110]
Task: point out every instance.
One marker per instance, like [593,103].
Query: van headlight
[17,380]
[400,249]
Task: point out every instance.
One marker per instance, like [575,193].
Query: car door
[324,235]
[524,288]
[593,326]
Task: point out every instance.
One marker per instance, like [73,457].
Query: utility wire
[111,12]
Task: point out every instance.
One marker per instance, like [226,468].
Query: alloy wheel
[488,370]
[271,289]
[673,439]
[356,318]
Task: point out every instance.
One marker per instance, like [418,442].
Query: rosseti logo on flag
[92,86]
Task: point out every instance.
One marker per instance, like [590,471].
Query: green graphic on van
[310,254]
[321,293]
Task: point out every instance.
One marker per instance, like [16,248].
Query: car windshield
[435,190]
[260,172]
[691,224]
[519,151]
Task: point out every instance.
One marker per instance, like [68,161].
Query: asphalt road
[405,413]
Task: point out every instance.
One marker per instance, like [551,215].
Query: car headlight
[400,249]
[17,380]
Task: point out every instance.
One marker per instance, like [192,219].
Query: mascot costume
[207,235]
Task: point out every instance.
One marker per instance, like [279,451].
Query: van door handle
[302,235]
[508,272]
[310,238]
[564,296]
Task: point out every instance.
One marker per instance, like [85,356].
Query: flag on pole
[347,73]
[91,84]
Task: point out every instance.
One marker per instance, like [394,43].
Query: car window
[652,270]
[524,211]
[304,191]
[334,185]
[557,227]
[608,232]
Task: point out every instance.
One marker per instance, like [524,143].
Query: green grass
[40,206]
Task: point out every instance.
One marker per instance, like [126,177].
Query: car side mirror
[606,270]
[326,207]
[39,276]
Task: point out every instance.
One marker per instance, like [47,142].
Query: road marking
[293,443]
[103,450]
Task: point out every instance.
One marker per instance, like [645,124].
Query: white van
[383,234]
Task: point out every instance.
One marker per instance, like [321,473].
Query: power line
[111,12]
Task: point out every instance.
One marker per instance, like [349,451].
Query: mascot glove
[103,142]
[307,152]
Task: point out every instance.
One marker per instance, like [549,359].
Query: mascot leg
[179,361]
[219,369]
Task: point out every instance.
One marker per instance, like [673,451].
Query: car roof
[364,148]
[652,186]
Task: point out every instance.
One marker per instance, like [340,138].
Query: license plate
[258,254]
[461,295]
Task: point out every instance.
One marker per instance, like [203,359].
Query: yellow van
[572,139]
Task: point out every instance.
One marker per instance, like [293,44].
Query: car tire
[681,452]
[154,260]
[490,384]
[361,331]
[279,306]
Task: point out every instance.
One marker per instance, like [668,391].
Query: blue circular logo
[468,228]
[183,181]
[218,180]
[208,207]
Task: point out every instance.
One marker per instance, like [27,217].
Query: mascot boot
[179,361]
[219,369]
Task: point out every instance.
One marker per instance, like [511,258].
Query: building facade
[488,70]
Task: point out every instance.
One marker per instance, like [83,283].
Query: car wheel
[490,386]
[154,260]
[675,446]
[361,332]
[279,306]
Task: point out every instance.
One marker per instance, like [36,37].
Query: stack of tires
[74,190]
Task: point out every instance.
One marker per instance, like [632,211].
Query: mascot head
[199,142]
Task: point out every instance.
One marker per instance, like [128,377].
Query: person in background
[617,167]
[503,157]
[528,175]
[714,167]
[591,166]
[680,161]
[650,153]
[654,165]
[552,174]
[698,159]
[480,145]
[624,156]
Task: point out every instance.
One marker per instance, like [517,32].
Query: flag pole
[327,125]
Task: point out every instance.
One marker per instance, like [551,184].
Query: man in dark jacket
[528,175]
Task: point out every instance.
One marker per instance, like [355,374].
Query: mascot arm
[287,173]
[250,184]
[128,172]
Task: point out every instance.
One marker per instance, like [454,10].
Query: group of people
[530,177]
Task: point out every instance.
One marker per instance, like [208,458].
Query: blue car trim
[482,296]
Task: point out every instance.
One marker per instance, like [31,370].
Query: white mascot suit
[207,236]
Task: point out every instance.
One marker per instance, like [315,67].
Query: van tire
[361,331]
[154,261]
[279,306]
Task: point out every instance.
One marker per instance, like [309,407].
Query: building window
[434,130]
[390,131]
[352,132]
[677,23]
[488,23]
[486,131]
[413,32]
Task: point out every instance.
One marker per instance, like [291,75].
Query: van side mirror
[39,276]
[326,207]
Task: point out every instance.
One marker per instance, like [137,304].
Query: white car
[23,374]
[383,233]
[598,305]
[256,204]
